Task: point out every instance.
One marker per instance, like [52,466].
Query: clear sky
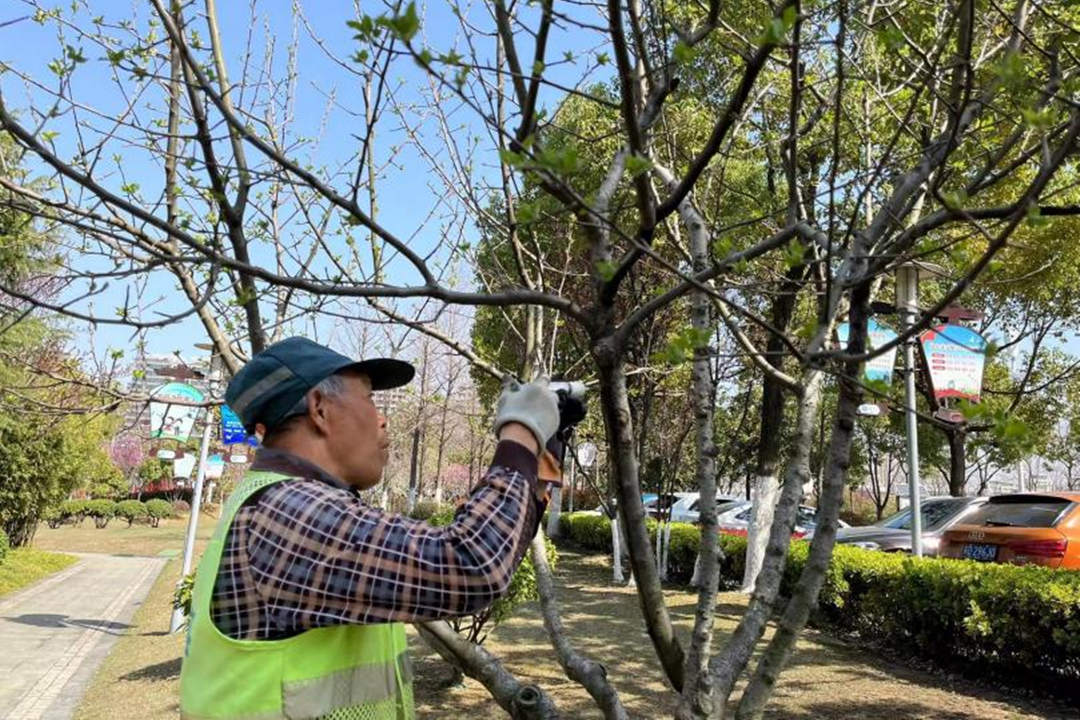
[327,110]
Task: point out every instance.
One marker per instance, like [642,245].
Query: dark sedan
[893,534]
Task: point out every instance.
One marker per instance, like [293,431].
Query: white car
[686,510]
[735,520]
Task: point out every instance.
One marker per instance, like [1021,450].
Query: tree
[813,149]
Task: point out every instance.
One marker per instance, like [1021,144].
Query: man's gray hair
[331,386]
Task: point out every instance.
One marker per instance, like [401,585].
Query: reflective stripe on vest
[343,671]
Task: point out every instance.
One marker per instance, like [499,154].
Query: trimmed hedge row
[75,511]
[1020,622]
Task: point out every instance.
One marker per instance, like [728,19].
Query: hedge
[157,509]
[1017,622]
[101,511]
[131,510]
[5,545]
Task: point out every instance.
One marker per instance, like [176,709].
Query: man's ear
[318,411]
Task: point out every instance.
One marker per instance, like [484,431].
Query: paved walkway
[54,634]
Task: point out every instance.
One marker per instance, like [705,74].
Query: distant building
[151,372]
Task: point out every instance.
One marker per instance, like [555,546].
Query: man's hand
[532,405]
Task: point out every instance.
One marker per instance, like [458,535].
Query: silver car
[893,534]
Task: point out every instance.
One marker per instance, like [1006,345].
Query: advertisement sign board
[955,356]
[232,430]
[172,412]
[880,367]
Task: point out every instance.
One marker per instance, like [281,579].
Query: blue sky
[405,197]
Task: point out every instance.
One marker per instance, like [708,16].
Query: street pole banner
[183,466]
[170,420]
[215,467]
[955,356]
[232,430]
[880,367]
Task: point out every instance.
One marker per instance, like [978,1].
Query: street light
[907,302]
[200,475]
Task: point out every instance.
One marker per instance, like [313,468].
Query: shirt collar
[287,463]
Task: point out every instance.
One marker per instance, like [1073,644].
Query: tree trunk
[771,436]
[624,463]
[804,598]
[957,461]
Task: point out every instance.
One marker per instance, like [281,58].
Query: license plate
[982,553]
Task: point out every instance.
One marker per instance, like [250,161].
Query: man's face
[356,437]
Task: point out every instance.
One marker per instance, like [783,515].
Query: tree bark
[804,598]
[521,701]
[624,463]
[771,438]
[957,461]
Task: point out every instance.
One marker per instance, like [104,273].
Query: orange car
[1035,528]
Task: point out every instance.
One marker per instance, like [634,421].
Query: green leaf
[794,253]
[788,17]
[774,32]
[568,56]
[605,270]
[49,135]
[538,67]
[722,247]
[526,213]
[130,188]
[406,25]
[360,57]
[637,165]
[1035,218]
[683,53]
[602,58]
[511,158]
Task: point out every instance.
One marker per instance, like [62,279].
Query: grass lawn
[24,566]
[827,679]
[119,539]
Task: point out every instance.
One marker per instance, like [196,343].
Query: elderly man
[301,594]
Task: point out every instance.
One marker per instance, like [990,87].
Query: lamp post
[907,302]
[200,475]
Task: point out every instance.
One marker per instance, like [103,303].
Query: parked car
[1021,528]
[893,534]
[655,503]
[686,509]
[734,519]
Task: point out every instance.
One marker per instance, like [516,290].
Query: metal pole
[907,296]
[193,519]
[573,475]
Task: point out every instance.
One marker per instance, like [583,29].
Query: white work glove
[533,405]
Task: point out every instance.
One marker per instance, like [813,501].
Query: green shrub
[586,530]
[424,510]
[1015,621]
[103,491]
[183,593]
[157,509]
[1005,618]
[101,510]
[5,545]
[74,511]
[131,510]
[443,517]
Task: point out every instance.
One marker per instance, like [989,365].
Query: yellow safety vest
[344,672]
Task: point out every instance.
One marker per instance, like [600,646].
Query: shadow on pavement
[168,670]
[52,620]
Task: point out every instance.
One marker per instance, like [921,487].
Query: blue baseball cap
[272,382]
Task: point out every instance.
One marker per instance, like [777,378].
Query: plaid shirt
[308,552]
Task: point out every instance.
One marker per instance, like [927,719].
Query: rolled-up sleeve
[318,555]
